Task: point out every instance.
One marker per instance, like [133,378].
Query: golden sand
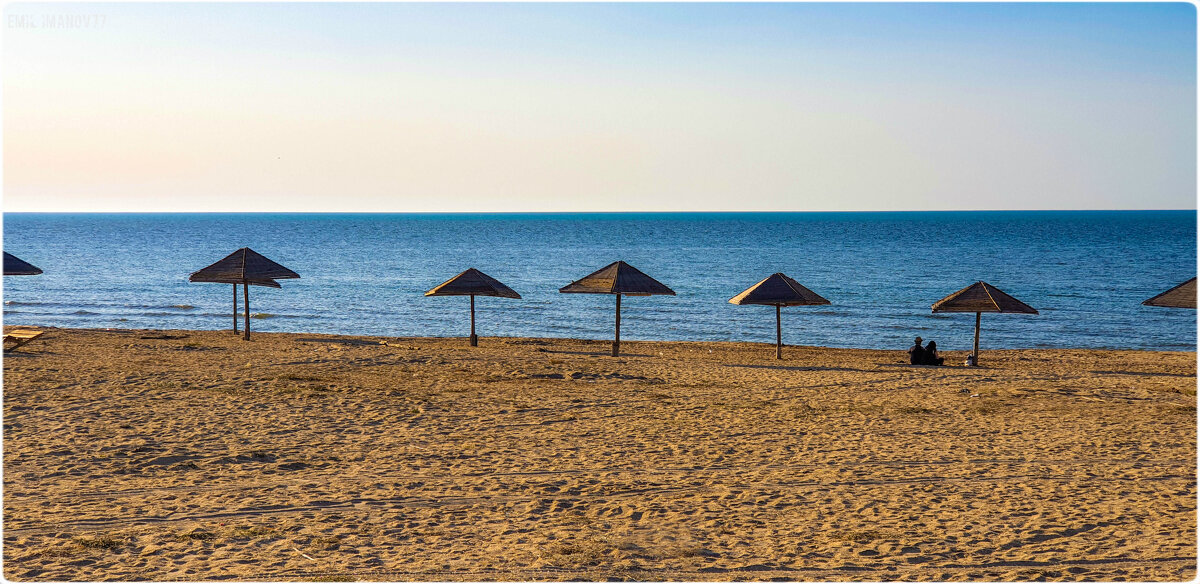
[160,455]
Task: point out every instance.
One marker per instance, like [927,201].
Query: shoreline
[193,455]
[606,342]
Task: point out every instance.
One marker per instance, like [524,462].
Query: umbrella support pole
[246,297]
[235,331]
[617,337]
[474,339]
[975,353]
[778,334]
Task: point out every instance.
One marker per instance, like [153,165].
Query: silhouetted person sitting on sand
[916,353]
[931,356]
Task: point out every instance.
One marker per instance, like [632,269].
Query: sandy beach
[168,455]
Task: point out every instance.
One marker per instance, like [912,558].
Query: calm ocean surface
[1086,272]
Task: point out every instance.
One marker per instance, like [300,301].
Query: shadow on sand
[355,342]
[939,367]
[26,353]
[1144,374]
[794,368]
[594,353]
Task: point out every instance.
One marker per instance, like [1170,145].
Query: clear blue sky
[598,107]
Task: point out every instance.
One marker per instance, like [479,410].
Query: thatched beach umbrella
[778,290]
[246,267]
[15,266]
[473,283]
[617,278]
[981,297]
[1181,296]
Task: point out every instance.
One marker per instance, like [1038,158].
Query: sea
[1086,272]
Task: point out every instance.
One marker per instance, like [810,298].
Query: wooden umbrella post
[246,297]
[235,331]
[976,352]
[778,333]
[617,338]
[474,339]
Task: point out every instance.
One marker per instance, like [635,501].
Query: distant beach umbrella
[778,290]
[618,278]
[246,267]
[15,266]
[1181,296]
[473,283]
[981,297]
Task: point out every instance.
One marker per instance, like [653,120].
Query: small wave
[104,305]
[61,304]
[84,312]
[258,315]
[902,327]
[157,306]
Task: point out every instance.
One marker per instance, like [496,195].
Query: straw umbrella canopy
[15,266]
[981,297]
[1181,296]
[617,278]
[473,283]
[246,267]
[778,290]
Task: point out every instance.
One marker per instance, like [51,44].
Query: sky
[562,107]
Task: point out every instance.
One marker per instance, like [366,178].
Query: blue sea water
[1086,272]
